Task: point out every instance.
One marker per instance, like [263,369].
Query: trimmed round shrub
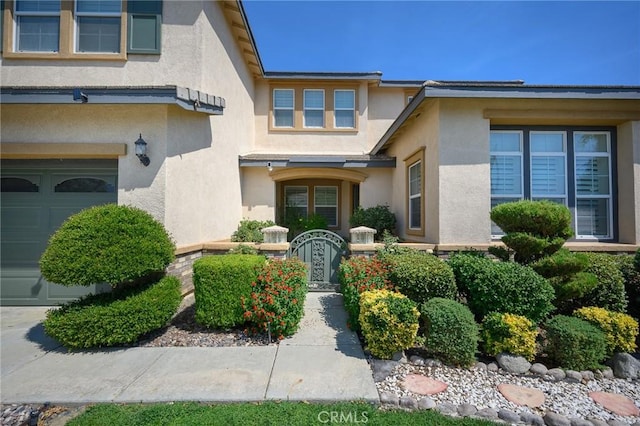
[357,275]
[220,283]
[509,333]
[116,318]
[621,330]
[276,304]
[389,322]
[609,293]
[533,229]
[250,231]
[574,343]
[492,286]
[379,218]
[106,244]
[561,264]
[421,276]
[450,332]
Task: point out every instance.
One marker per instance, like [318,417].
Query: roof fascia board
[369,76]
[189,99]
[252,40]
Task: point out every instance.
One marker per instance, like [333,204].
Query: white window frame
[520,154]
[16,27]
[562,154]
[76,32]
[608,196]
[316,205]
[411,196]
[305,109]
[292,109]
[336,108]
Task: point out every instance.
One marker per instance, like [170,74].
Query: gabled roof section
[237,18]
[189,99]
[515,89]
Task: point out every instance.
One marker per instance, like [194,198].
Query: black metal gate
[321,251]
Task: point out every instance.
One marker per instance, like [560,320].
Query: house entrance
[321,251]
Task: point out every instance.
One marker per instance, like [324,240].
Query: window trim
[305,109]
[550,154]
[316,205]
[414,159]
[310,184]
[335,109]
[329,102]
[76,28]
[66,48]
[520,153]
[16,27]
[292,109]
[570,131]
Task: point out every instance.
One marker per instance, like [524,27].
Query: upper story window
[344,107]
[318,107]
[313,108]
[80,29]
[98,25]
[283,107]
[37,26]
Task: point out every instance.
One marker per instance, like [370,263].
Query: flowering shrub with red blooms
[277,298]
[357,275]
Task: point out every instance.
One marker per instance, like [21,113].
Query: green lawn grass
[267,413]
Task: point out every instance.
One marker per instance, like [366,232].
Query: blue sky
[568,42]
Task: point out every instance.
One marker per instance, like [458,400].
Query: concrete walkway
[322,362]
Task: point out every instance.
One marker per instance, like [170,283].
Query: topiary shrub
[421,276]
[574,343]
[502,287]
[276,303]
[115,318]
[250,231]
[106,244]
[533,229]
[220,283]
[450,331]
[389,322]
[631,275]
[621,330]
[379,218]
[610,292]
[357,275]
[509,333]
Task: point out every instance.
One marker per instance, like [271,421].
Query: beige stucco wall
[377,187]
[193,182]
[385,104]
[629,182]
[258,194]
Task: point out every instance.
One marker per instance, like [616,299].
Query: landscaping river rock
[534,397]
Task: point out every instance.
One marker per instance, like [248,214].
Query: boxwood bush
[449,330]
[509,333]
[502,287]
[621,330]
[220,283]
[574,343]
[389,322]
[357,275]
[631,275]
[106,244]
[276,304]
[379,218]
[421,276]
[610,292]
[115,318]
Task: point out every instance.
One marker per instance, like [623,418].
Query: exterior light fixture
[141,151]
[79,95]
[269,166]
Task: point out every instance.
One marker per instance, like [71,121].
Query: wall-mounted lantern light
[141,151]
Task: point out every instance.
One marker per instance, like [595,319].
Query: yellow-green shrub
[389,322]
[620,329]
[510,333]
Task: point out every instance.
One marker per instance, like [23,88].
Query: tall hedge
[220,283]
[106,244]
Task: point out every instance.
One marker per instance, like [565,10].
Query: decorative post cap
[275,234]
[362,235]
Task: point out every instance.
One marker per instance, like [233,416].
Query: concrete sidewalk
[322,362]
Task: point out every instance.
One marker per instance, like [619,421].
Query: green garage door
[37,196]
